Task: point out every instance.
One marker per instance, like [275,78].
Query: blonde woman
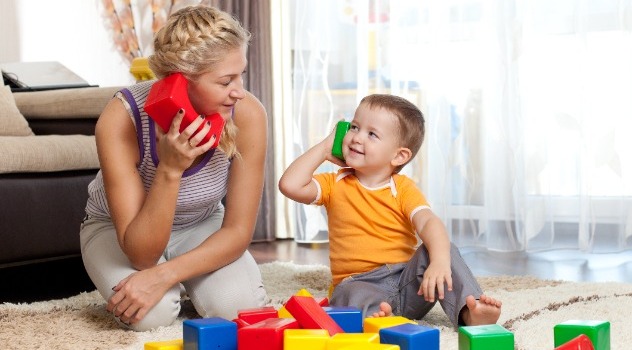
[155,220]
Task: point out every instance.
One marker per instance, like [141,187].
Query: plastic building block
[176,344]
[283,313]
[581,342]
[411,337]
[310,315]
[322,301]
[492,336]
[361,346]
[140,69]
[597,331]
[170,94]
[341,129]
[254,315]
[305,339]
[240,323]
[265,335]
[374,324]
[341,340]
[349,318]
[207,333]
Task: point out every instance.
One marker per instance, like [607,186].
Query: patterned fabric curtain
[133,25]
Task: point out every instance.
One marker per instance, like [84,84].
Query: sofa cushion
[65,103]
[12,122]
[21,154]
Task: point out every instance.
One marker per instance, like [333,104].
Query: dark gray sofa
[43,189]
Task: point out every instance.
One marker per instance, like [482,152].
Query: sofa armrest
[64,111]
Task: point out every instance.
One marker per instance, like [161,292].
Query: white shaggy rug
[531,308]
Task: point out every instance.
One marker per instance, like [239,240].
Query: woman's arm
[142,220]
[245,186]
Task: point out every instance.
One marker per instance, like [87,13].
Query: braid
[192,41]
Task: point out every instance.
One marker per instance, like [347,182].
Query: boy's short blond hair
[411,121]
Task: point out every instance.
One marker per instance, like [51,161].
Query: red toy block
[254,315]
[241,323]
[322,301]
[170,94]
[582,342]
[265,335]
[310,315]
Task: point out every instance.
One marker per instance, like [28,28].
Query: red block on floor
[581,342]
[241,323]
[265,335]
[254,315]
[310,315]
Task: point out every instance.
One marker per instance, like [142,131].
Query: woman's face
[219,89]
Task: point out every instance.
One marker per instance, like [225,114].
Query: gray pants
[221,293]
[398,285]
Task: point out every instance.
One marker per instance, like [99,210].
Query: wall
[68,31]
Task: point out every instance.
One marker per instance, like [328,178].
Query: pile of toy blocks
[307,323]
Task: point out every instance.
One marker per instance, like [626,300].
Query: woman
[155,220]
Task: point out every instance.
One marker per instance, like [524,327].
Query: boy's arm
[296,182]
[434,236]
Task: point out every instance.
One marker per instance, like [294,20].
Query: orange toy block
[176,344]
[254,315]
[265,335]
[581,342]
[310,315]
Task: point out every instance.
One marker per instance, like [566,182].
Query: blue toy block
[491,336]
[349,318]
[411,337]
[209,333]
[598,332]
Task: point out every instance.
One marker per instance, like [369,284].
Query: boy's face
[372,142]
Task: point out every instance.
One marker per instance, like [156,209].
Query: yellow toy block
[341,340]
[374,324]
[371,347]
[140,69]
[283,313]
[305,339]
[176,344]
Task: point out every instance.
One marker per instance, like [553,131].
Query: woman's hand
[178,150]
[135,295]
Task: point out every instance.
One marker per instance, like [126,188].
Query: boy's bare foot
[486,310]
[385,310]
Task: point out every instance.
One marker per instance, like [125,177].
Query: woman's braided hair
[192,41]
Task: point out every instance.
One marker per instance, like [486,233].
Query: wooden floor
[559,265]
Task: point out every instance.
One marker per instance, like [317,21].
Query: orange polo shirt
[368,227]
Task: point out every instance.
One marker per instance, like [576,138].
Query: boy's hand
[436,277]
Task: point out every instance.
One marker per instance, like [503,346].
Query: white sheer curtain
[528,107]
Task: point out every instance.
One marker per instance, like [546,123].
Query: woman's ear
[402,156]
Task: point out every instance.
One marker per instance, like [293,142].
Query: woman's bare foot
[385,310]
[486,310]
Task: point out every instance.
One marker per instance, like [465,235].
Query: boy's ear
[401,157]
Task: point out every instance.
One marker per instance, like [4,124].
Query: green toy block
[597,331]
[341,129]
[485,337]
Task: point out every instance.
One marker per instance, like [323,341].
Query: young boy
[374,216]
